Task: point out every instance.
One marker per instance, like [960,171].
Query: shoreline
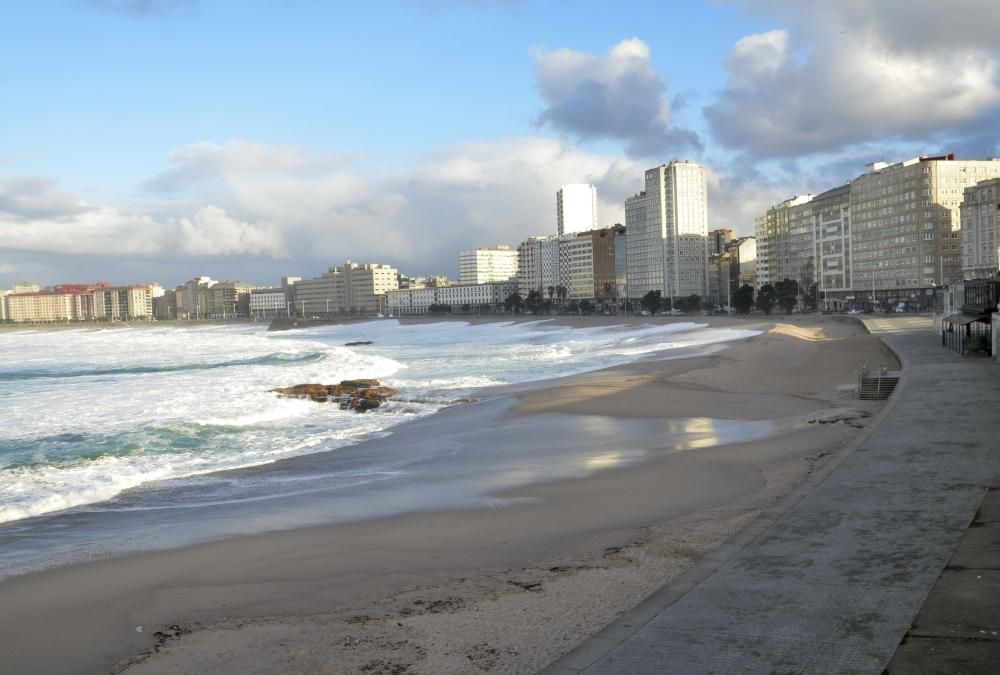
[424,581]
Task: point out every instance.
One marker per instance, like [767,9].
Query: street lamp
[328,308]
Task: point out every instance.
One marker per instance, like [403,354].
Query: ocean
[151,423]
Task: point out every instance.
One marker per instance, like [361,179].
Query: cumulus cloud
[618,95]
[336,206]
[851,72]
[36,216]
[30,197]
[244,199]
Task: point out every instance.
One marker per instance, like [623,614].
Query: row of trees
[783,294]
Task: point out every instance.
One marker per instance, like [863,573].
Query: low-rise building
[478,297]
[410,301]
[269,303]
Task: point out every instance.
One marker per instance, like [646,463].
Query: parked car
[644,312]
[854,311]
[675,312]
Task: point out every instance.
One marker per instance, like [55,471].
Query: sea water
[127,420]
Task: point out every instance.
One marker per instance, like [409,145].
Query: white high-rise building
[667,228]
[576,208]
[487,265]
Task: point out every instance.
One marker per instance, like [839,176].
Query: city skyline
[268,141]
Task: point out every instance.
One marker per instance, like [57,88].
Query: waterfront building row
[896,232]
[28,303]
[589,265]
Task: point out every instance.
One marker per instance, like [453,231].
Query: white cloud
[847,73]
[212,232]
[618,95]
[36,216]
[246,199]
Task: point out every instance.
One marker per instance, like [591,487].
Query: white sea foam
[89,414]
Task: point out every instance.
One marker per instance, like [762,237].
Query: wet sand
[488,590]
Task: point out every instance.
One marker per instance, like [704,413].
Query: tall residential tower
[576,208]
[667,227]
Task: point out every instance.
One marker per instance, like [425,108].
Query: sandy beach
[507,589]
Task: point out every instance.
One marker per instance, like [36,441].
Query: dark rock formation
[357,395]
[359,342]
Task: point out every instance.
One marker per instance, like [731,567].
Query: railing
[862,373]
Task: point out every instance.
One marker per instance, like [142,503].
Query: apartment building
[487,265]
[576,265]
[718,241]
[410,301]
[348,289]
[191,298]
[124,303]
[743,263]
[980,218]
[576,208]
[269,303]
[229,300]
[906,221]
[538,265]
[46,307]
[785,237]
[489,297]
[667,226]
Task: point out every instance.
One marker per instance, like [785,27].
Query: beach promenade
[831,578]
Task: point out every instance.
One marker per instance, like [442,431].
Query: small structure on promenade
[970,331]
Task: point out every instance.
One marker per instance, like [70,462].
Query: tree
[766,297]
[562,292]
[689,304]
[439,309]
[787,294]
[708,304]
[651,302]
[743,299]
[513,303]
[547,306]
[552,292]
[533,301]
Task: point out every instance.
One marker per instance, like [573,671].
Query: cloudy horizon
[157,140]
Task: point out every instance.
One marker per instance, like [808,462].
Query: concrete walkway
[829,580]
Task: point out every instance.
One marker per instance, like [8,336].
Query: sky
[158,140]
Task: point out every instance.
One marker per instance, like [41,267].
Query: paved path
[829,580]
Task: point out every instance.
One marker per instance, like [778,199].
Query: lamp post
[328,308]
[303,308]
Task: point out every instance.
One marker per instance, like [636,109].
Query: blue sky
[255,139]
